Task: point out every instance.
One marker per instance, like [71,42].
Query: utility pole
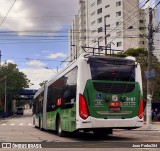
[5,95]
[149,86]
[0,58]
[105,34]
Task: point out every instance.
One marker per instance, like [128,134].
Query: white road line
[3,124]
[21,124]
[29,124]
[12,124]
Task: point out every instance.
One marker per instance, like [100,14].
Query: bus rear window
[112,71]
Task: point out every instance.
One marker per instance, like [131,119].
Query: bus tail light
[83,110]
[140,113]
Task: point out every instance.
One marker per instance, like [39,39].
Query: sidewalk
[155,126]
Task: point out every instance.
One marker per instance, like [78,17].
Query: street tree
[141,56]
[11,82]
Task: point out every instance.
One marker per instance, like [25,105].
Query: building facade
[111,24]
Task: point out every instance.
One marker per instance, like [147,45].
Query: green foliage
[15,82]
[141,56]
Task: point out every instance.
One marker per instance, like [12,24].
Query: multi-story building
[115,24]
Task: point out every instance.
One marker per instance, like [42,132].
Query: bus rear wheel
[40,125]
[59,128]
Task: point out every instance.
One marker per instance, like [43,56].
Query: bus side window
[68,98]
[67,94]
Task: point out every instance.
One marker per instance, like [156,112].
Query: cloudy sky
[34,35]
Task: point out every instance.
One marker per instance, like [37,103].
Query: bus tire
[40,124]
[59,128]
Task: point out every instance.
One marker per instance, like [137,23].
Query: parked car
[19,111]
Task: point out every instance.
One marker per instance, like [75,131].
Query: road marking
[157,129]
[20,124]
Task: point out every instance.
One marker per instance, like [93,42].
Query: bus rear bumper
[92,122]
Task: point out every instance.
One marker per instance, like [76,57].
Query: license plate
[114,109]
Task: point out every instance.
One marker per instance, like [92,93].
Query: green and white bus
[93,93]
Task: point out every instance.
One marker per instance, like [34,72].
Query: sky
[34,35]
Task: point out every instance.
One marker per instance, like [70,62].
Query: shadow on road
[91,137]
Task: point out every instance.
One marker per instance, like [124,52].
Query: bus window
[112,71]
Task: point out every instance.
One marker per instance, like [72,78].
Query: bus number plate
[114,109]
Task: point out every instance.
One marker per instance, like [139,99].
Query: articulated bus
[93,93]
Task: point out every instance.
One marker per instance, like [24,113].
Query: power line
[133,23]
[126,19]
[7,13]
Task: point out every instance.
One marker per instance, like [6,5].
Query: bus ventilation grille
[114,88]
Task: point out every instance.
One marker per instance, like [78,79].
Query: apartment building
[115,24]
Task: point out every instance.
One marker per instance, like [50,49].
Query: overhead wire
[127,17]
[134,22]
[7,13]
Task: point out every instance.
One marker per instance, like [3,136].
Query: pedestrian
[156,113]
[153,115]
[158,116]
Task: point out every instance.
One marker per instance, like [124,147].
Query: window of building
[100,29]
[119,44]
[107,6]
[93,4]
[141,21]
[99,11]
[141,14]
[108,25]
[93,13]
[93,22]
[99,2]
[141,28]
[99,20]
[118,3]
[141,42]
[141,36]
[118,23]
[118,13]
[107,16]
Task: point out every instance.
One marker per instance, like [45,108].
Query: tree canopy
[141,56]
[13,81]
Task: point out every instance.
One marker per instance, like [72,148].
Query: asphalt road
[19,129]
